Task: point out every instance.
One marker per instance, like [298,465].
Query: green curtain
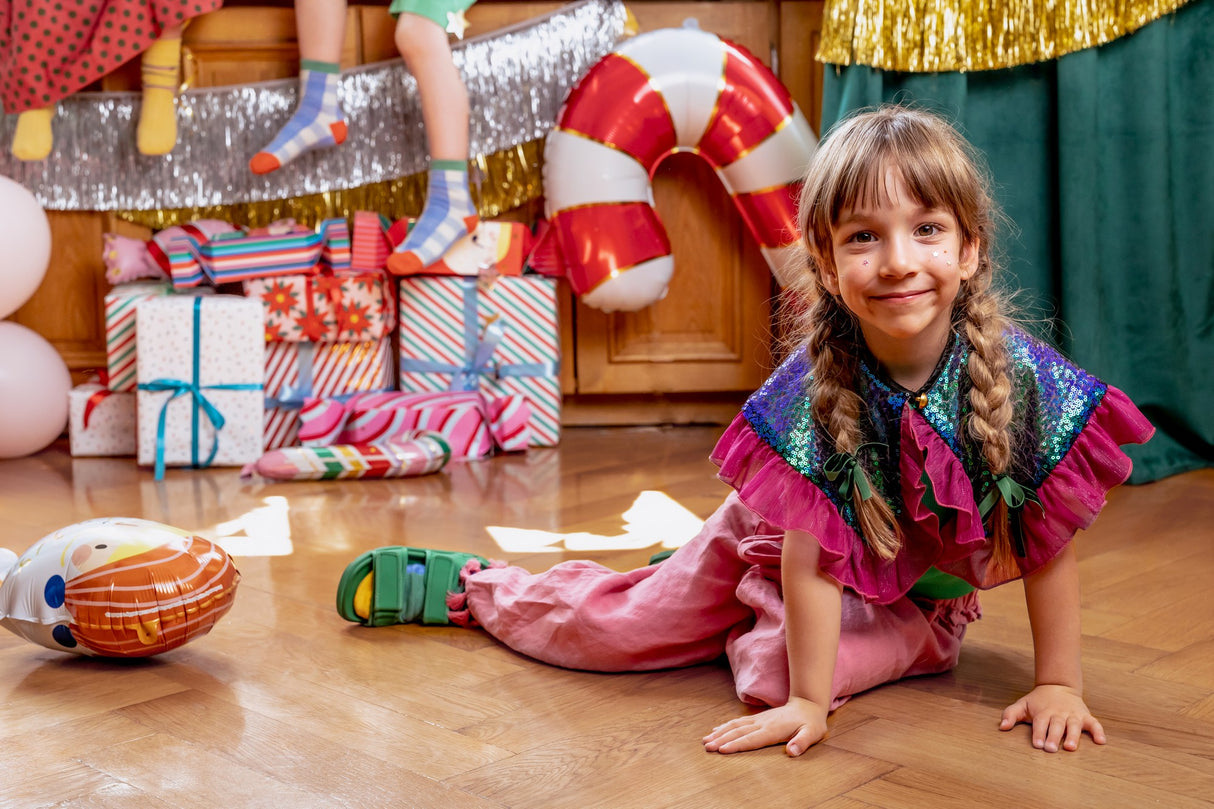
[1103,160]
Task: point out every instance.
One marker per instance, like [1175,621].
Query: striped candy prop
[666,91]
[472,425]
[239,256]
[296,372]
[117,587]
[410,456]
[498,338]
[120,305]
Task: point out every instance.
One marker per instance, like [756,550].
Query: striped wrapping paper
[120,303]
[335,252]
[472,425]
[239,256]
[369,245]
[499,338]
[329,369]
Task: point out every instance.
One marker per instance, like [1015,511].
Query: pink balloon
[34,385]
[25,244]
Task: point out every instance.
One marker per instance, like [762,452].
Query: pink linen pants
[720,593]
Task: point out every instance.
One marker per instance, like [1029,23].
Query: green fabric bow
[841,470]
[1016,497]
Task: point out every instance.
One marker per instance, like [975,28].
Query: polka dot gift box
[200,361]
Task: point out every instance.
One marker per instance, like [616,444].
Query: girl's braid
[836,405]
[990,420]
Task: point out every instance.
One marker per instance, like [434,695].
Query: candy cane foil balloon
[671,90]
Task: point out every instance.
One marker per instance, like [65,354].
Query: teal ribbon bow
[841,470]
[202,405]
[1016,497]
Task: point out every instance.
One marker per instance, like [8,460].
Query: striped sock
[448,216]
[316,124]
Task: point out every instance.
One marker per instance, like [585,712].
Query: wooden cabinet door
[711,333]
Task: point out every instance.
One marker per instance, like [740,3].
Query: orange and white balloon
[116,587]
[670,90]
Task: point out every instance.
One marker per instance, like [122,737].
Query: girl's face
[898,267]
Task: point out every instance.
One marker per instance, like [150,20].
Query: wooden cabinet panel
[711,332]
[68,307]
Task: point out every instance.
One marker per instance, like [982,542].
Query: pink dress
[720,593]
[48,51]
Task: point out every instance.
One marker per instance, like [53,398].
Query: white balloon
[25,246]
[34,386]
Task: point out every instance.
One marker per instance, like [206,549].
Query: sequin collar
[1052,403]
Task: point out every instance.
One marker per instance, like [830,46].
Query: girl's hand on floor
[800,722]
[1058,715]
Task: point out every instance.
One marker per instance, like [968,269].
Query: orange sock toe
[264,163]
[339,131]
[404,263]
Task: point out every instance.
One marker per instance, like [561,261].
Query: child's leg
[33,138]
[161,71]
[449,214]
[877,643]
[582,615]
[318,122]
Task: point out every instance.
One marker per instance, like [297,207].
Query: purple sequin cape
[1070,428]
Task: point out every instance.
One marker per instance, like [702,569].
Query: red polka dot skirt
[53,48]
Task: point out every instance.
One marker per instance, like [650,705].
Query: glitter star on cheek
[457,23]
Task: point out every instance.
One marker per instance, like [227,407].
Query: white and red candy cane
[410,455]
[677,89]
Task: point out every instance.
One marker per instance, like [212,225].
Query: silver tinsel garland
[517,79]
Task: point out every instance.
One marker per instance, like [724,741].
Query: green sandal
[399,585]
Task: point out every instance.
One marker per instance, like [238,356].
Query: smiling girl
[913,448]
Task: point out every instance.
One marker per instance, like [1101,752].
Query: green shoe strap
[442,577]
[396,596]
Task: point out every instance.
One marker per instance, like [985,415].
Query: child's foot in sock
[157,130]
[33,138]
[316,124]
[448,216]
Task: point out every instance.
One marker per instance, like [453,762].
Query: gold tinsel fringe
[501,182]
[913,36]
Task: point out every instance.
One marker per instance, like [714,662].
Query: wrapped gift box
[100,421]
[349,307]
[120,304]
[296,371]
[200,364]
[498,337]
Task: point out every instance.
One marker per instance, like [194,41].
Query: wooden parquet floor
[284,704]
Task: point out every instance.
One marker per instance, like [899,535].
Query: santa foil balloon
[116,587]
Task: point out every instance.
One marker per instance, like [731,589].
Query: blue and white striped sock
[316,124]
[449,215]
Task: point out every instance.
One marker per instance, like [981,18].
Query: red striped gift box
[297,371]
[499,338]
[120,304]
